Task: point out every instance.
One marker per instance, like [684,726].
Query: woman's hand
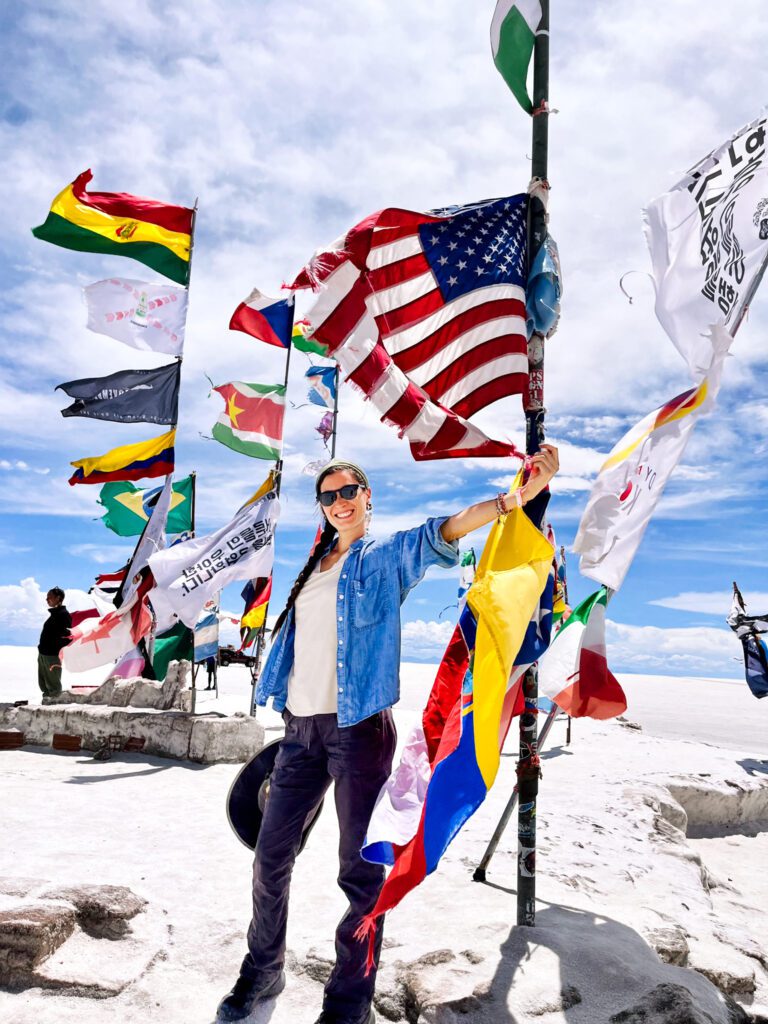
[546,463]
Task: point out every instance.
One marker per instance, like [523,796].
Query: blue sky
[290,125]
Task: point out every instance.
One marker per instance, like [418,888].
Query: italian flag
[513,32]
[574,671]
[252,420]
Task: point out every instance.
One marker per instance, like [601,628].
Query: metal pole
[528,763]
[260,638]
[335,412]
[480,870]
[193,476]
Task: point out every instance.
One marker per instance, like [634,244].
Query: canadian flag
[112,636]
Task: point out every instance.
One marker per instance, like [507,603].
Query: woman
[333,671]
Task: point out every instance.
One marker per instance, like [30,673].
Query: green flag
[305,343]
[513,32]
[176,644]
[128,507]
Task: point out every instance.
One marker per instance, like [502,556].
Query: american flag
[425,313]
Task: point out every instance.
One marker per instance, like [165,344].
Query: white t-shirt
[312,684]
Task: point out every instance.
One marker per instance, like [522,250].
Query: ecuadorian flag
[156,234]
[129,462]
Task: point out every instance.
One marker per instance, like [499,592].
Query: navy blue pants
[313,753]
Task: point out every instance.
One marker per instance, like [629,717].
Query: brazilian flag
[129,508]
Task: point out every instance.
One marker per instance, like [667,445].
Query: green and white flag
[513,32]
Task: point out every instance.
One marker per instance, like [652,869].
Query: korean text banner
[187,575]
[708,237]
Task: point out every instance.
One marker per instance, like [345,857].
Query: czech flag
[269,320]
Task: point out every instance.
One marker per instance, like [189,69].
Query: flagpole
[335,412]
[528,763]
[278,481]
[192,509]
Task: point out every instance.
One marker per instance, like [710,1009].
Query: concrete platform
[206,739]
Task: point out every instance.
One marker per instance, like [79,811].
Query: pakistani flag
[574,672]
[252,420]
[129,508]
[513,33]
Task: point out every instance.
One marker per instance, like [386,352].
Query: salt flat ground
[611,870]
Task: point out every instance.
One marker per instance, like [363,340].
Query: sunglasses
[347,492]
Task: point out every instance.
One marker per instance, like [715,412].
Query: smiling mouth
[344,515]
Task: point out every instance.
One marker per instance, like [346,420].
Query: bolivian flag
[118,224]
[129,462]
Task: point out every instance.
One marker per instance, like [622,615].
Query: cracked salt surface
[618,878]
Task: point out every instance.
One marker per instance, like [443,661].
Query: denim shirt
[374,582]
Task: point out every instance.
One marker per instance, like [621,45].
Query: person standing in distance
[333,671]
[54,636]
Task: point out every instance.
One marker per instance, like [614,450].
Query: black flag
[129,396]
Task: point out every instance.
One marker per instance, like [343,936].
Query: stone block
[103,911]
[29,933]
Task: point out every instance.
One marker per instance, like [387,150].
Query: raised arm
[545,465]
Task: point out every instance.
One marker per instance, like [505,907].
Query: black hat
[248,797]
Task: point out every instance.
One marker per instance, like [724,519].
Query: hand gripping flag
[190,574]
[129,462]
[269,320]
[118,224]
[128,508]
[128,396]
[150,317]
[322,380]
[252,421]
[708,239]
[450,761]
[574,673]
[513,33]
[633,477]
[425,314]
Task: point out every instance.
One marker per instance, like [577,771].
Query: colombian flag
[129,462]
[451,759]
[118,224]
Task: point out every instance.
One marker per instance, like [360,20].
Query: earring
[368,516]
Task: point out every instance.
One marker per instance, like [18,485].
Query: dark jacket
[55,634]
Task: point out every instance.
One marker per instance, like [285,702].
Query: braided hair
[320,549]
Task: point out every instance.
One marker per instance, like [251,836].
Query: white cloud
[697,650]
[711,603]
[426,641]
[102,554]
[23,608]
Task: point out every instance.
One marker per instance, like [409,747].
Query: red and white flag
[425,314]
[111,636]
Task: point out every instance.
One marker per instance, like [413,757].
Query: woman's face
[348,516]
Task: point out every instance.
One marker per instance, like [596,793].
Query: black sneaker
[238,1004]
[365,1017]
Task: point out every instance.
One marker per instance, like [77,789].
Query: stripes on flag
[252,420]
[425,314]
